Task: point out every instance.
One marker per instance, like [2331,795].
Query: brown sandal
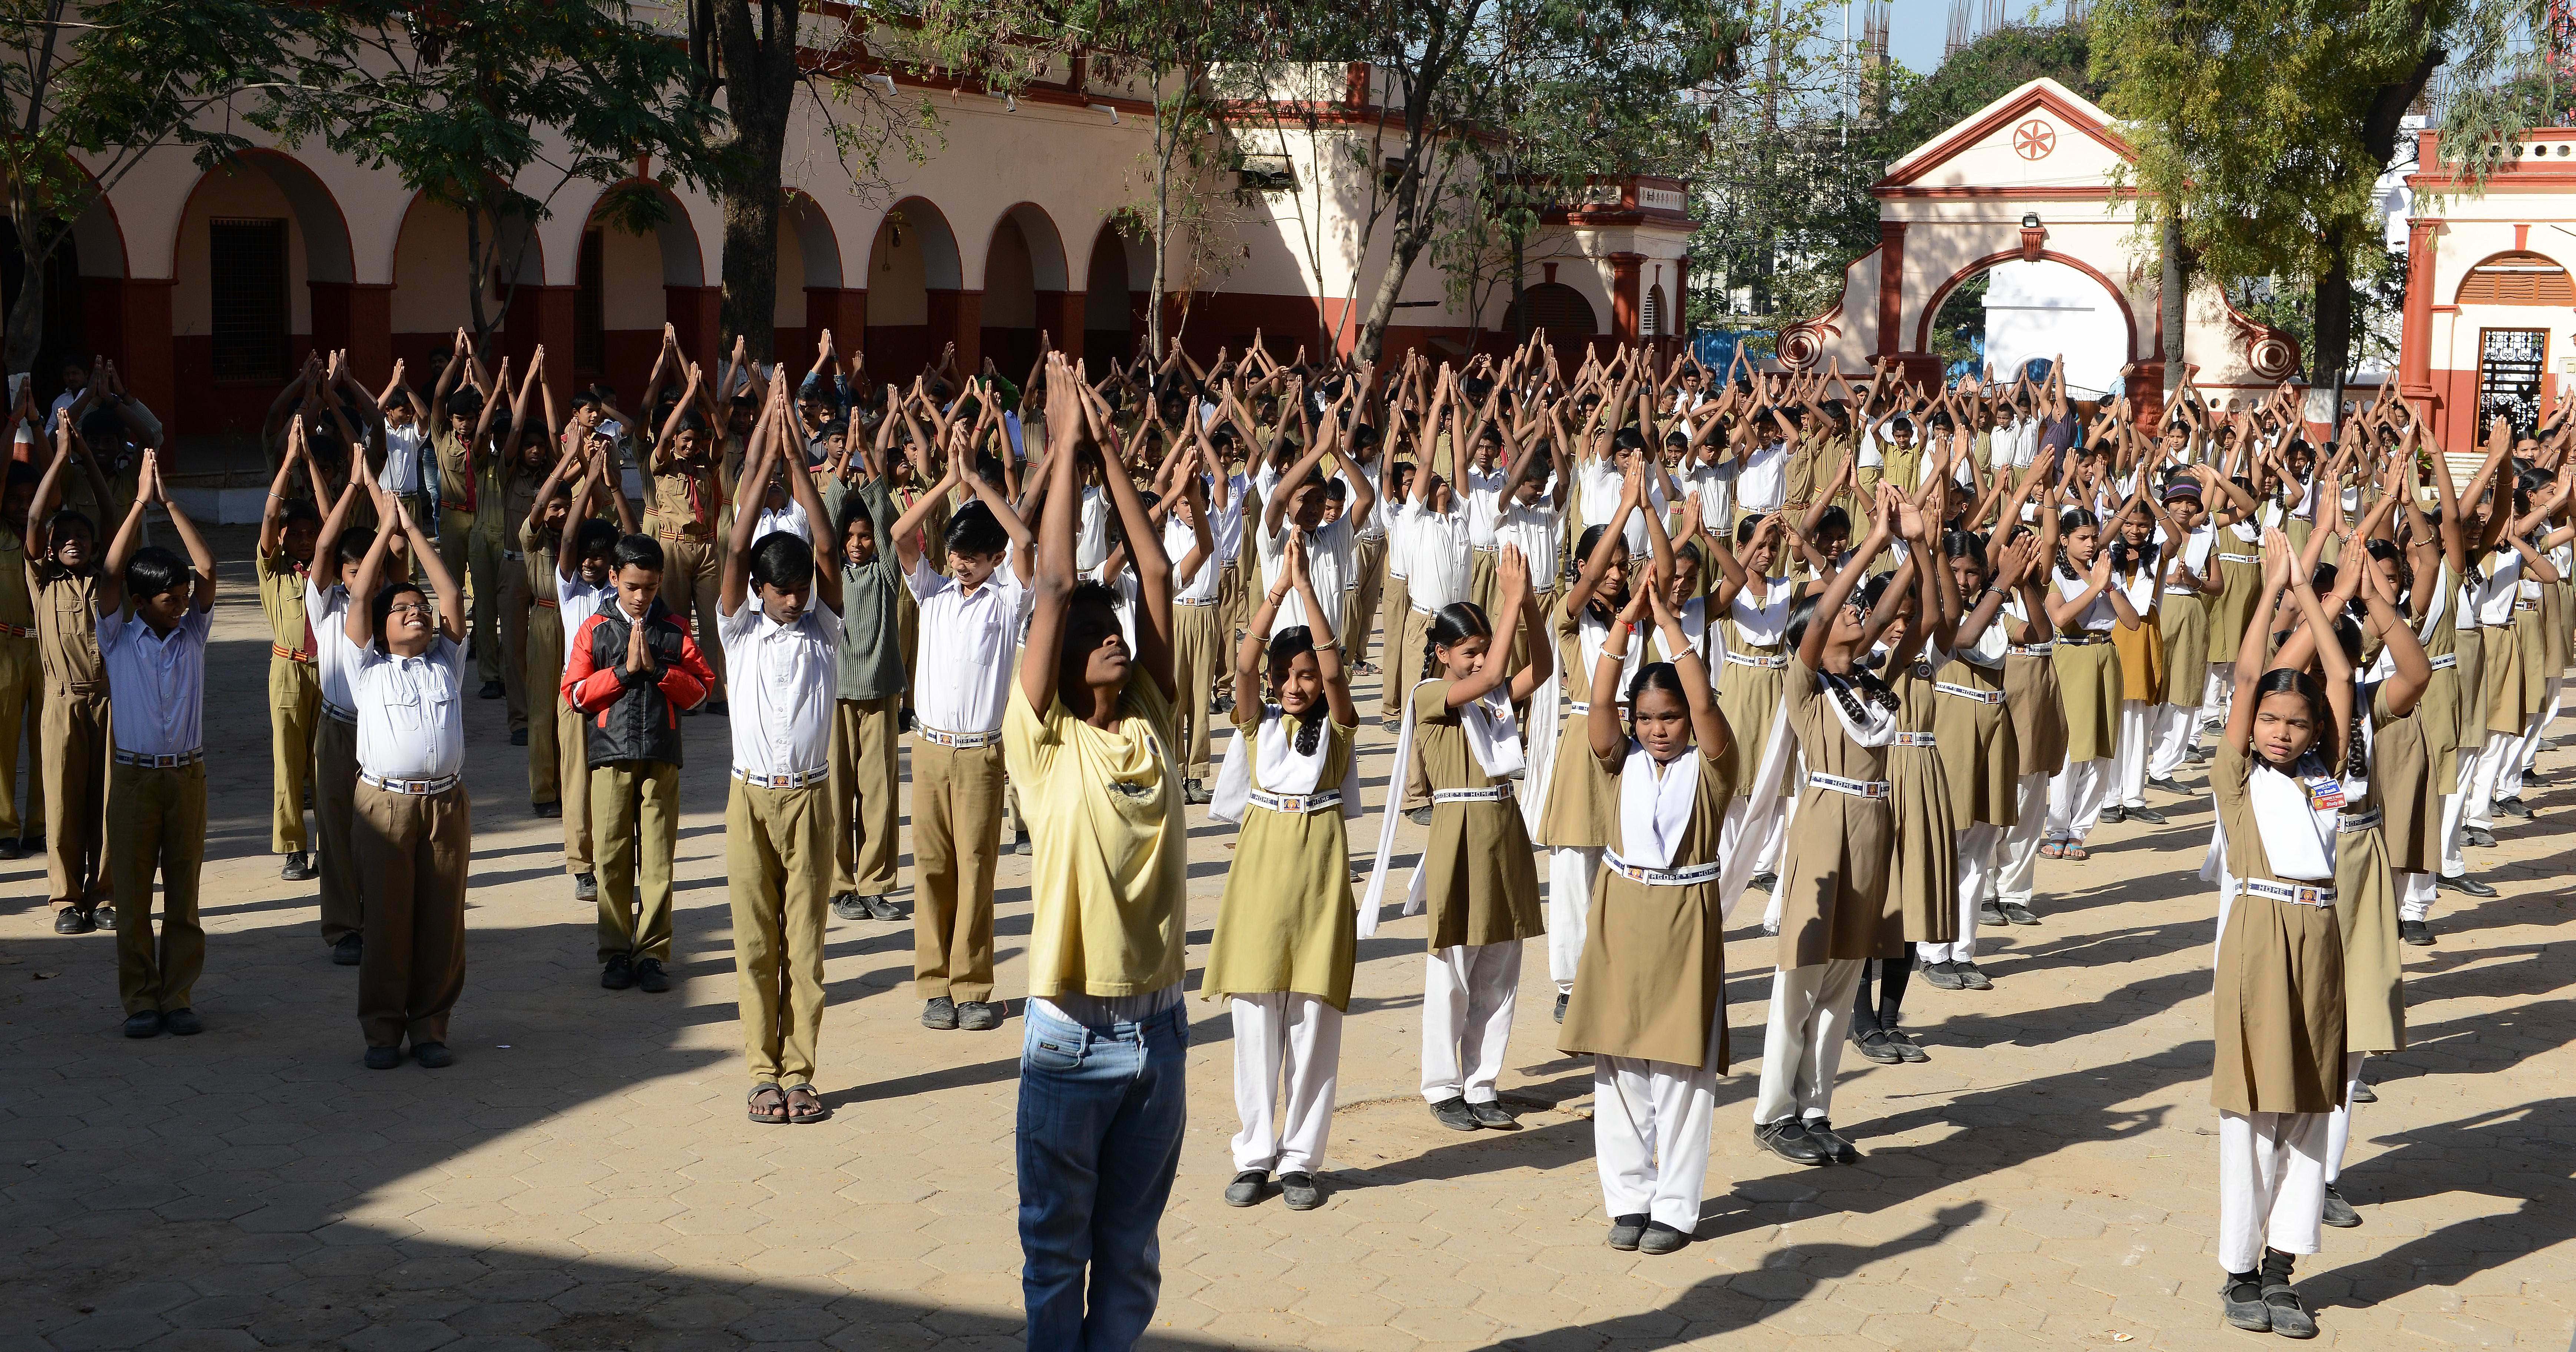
[769,1105]
[804,1106]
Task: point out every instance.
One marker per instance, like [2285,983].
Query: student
[1579,803]
[64,574]
[1923,870]
[2184,613]
[560,524]
[414,831]
[1286,933]
[2142,569]
[682,502]
[2084,606]
[969,621]
[341,548]
[1978,747]
[584,561]
[1199,636]
[1649,1001]
[1299,500]
[1476,873]
[155,655]
[867,711]
[632,670]
[529,455]
[406,448]
[1089,739]
[779,618]
[288,528]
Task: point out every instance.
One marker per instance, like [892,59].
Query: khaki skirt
[2278,1007]
[2088,680]
[2233,608]
[1923,881]
[2365,913]
[2037,714]
[2142,659]
[1979,751]
[1651,981]
[1750,699]
[2184,623]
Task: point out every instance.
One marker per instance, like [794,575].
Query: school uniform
[575,601]
[1234,606]
[22,693]
[2503,601]
[686,511]
[779,824]
[2183,617]
[1748,691]
[156,803]
[1328,568]
[335,762]
[1981,756]
[74,729]
[2038,715]
[632,735]
[1923,880]
[1438,574]
[1761,484]
[2239,554]
[1580,800]
[2089,679]
[1532,528]
[294,699]
[406,448]
[466,501]
[960,691]
[1368,565]
[1200,646]
[867,705]
[518,599]
[2146,673]
[414,837]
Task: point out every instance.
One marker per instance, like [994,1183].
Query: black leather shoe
[432,1055]
[350,950]
[2339,1213]
[73,920]
[585,887]
[2290,1318]
[105,914]
[145,1024]
[182,1022]
[1222,704]
[1873,1044]
[1495,1116]
[383,1058]
[2478,836]
[2146,814]
[547,811]
[1626,1231]
[618,974]
[1021,844]
[1906,1046]
[2019,914]
[883,908]
[2114,814]
[2241,1298]
[29,846]
[9,849]
[2169,785]
[2415,932]
[492,690]
[649,976]
[1454,1114]
[298,867]
[1788,1139]
[847,906]
[1990,914]
[1836,1147]
[1661,1238]
[1297,1188]
[978,1016]
[1974,977]
[2514,807]
[1765,882]
[2464,885]
[1195,793]
[2363,1093]
[518,736]
[1420,816]
[940,1013]
[1561,998]
[1248,1188]
[1944,976]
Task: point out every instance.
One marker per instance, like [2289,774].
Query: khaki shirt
[456,479]
[17,601]
[281,600]
[67,630]
[684,499]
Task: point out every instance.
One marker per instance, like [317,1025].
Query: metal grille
[2510,362]
[248,262]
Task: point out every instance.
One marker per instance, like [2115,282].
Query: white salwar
[1468,993]
[2271,1185]
[1291,1043]
[1977,844]
[1569,905]
[1811,1007]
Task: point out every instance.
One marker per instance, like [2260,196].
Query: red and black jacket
[632,716]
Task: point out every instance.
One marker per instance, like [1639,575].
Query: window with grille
[2517,279]
[2510,363]
[1651,323]
[247,259]
[589,309]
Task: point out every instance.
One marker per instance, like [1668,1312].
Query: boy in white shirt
[1299,500]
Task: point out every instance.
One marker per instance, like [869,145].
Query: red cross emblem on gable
[2033,140]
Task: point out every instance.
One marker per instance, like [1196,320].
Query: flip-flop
[768,1105]
[2052,850]
[2075,851]
[804,1106]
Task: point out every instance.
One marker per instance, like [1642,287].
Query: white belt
[1772,663]
[1298,805]
[409,788]
[2296,894]
[1185,601]
[2031,649]
[956,741]
[793,779]
[1492,794]
[2182,591]
[2350,822]
[1968,692]
[349,716]
[175,761]
[1915,739]
[1689,876]
[1857,788]
[2446,661]
[2240,558]
[1582,707]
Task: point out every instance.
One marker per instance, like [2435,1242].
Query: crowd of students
[1639,617]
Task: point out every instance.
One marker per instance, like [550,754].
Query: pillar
[1891,287]
[957,316]
[2415,347]
[1627,297]
[149,364]
[541,316]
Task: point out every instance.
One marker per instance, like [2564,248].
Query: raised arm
[1052,594]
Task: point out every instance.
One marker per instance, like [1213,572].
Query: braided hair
[1451,625]
[1285,647]
[2074,519]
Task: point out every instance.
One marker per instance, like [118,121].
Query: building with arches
[2490,327]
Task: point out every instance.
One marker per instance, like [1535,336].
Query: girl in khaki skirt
[1923,877]
[1755,605]
[2083,608]
[2038,715]
[1649,1006]
[2140,568]
[1978,748]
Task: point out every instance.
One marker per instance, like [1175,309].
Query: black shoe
[1195,794]
[31,846]
[145,1024]
[1788,1139]
[940,1013]
[9,849]
[1626,1232]
[2240,1297]
[718,708]
[105,914]
[1561,998]
[2339,1213]
[73,920]
[2019,914]
[299,866]
[979,1016]
[1974,978]
[2169,784]
[2114,815]
[847,906]
[883,908]
[2464,885]
[518,736]
[1943,976]
[549,811]
[1873,1044]
[383,1058]
[493,690]
[2198,755]
[2363,1093]
[1248,1187]
[1297,1188]
[1836,1148]
[618,974]
[1494,1115]
[2415,932]
[2514,807]
[1454,1114]
[1906,1046]
[1765,882]
[649,976]
[1023,845]
[2146,814]
[2290,1318]
[905,722]
[1222,704]
[1990,914]
[432,1055]
[1661,1238]
[585,887]
[1420,816]
[182,1022]
[349,950]
[2479,836]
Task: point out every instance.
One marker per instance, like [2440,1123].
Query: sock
[2276,1267]
[1892,976]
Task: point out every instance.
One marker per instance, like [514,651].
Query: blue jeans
[1101,1112]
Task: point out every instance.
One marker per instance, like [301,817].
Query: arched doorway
[1113,315]
[1024,289]
[627,285]
[913,277]
[262,275]
[431,300]
[2007,313]
[1562,313]
[809,285]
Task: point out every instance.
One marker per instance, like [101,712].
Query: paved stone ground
[584,1178]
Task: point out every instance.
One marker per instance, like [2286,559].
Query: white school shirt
[1435,556]
[1373,526]
[411,711]
[1484,488]
[789,519]
[2097,617]
[962,677]
[1329,564]
[1762,484]
[1535,531]
[402,460]
[326,613]
[1597,487]
[157,683]
[2501,589]
[1091,537]
[1178,541]
[576,601]
[1225,528]
[781,679]
[2016,444]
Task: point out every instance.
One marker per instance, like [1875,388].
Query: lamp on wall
[895,222]
[2033,235]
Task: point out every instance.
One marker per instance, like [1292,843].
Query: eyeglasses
[420,608]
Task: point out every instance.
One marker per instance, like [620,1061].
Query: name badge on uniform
[2325,793]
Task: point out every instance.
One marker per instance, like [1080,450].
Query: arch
[684,260]
[324,228]
[2516,277]
[1024,286]
[1555,307]
[1932,304]
[912,284]
[1111,314]
[1047,271]
[425,306]
[261,273]
[1654,313]
[818,245]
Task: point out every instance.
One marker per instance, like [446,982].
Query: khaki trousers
[22,698]
[472,558]
[515,603]
[572,757]
[335,786]
[1199,652]
[294,706]
[75,777]
[1398,665]
[956,838]
[867,767]
[1359,604]
[156,823]
[775,840]
[1231,616]
[636,805]
[689,590]
[414,849]
[541,646]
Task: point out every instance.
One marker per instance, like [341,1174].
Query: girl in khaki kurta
[1649,1003]
[1923,874]
[2086,605]
[1978,748]
[1754,606]
[1286,933]
[1583,801]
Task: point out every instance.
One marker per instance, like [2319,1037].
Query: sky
[1916,29]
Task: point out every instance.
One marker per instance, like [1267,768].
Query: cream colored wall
[428,272]
[242,193]
[1009,291]
[895,295]
[791,276]
[630,280]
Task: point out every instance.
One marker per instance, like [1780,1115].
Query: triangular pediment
[2041,135]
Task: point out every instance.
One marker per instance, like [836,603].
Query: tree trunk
[2175,306]
[1162,244]
[2334,320]
[758,60]
[477,267]
[1520,290]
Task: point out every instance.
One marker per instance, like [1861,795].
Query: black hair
[1334,490]
[988,467]
[1088,594]
[1744,529]
[2070,521]
[1285,647]
[593,536]
[1830,520]
[853,508]
[1583,547]
[380,606]
[354,544]
[102,425]
[1960,544]
[2291,681]
[783,561]
[153,571]
[2385,551]
[465,403]
[1662,676]
[1628,439]
[636,551]
[21,475]
[298,512]
[693,419]
[1451,625]
[975,530]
